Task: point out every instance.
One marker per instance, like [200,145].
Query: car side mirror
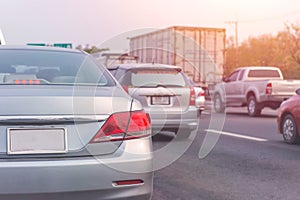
[225,79]
[298,91]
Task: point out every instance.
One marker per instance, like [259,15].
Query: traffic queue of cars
[68,129]
[164,91]
[72,130]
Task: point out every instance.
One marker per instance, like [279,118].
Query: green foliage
[281,50]
[92,49]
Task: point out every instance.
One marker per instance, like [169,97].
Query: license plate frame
[36,141]
[160,100]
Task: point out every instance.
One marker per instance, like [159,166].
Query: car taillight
[192,96]
[27,82]
[124,126]
[125,87]
[269,88]
[202,94]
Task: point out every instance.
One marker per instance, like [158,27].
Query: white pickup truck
[255,88]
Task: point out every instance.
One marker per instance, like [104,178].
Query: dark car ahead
[68,130]
[164,93]
[289,119]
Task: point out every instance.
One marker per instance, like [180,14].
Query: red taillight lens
[192,96]
[128,182]
[27,82]
[124,126]
[202,94]
[125,88]
[269,88]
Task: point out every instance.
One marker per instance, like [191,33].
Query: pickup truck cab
[254,87]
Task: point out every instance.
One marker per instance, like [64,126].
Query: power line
[288,14]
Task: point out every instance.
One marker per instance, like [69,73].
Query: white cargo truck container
[198,51]
[2,40]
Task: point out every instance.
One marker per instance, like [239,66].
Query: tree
[290,41]
[230,56]
[281,50]
[92,49]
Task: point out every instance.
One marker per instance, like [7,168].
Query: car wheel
[200,112]
[289,130]
[218,104]
[253,107]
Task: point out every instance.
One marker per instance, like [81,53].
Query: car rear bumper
[81,178]
[185,120]
[274,98]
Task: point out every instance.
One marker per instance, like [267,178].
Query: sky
[110,22]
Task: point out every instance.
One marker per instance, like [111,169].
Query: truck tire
[218,104]
[253,107]
[289,130]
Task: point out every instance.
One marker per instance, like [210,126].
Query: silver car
[200,96]
[68,130]
[164,92]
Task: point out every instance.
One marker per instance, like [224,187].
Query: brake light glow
[202,94]
[192,96]
[128,182]
[124,126]
[27,82]
[125,87]
[269,88]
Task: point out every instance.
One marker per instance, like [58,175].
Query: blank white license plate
[160,100]
[36,141]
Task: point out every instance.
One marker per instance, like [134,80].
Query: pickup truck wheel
[289,130]
[253,108]
[218,104]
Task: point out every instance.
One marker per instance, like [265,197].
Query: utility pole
[236,39]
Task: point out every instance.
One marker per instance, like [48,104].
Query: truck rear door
[285,87]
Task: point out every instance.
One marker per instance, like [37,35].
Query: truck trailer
[199,51]
[2,40]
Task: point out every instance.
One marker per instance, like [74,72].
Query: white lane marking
[236,135]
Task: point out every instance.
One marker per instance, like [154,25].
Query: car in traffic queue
[68,130]
[164,92]
[200,96]
[289,119]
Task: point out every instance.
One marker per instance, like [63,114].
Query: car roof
[130,66]
[257,67]
[39,48]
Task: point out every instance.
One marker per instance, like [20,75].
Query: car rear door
[160,89]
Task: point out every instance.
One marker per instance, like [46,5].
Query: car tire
[199,112]
[289,130]
[218,104]
[253,107]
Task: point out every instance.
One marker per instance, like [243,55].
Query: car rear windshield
[157,77]
[30,67]
[267,73]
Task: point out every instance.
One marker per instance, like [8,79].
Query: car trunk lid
[63,120]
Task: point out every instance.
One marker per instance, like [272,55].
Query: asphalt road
[249,161]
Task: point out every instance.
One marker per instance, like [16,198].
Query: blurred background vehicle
[254,87]
[200,96]
[68,130]
[289,119]
[164,92]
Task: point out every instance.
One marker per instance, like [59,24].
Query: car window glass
[233,76]
[260,73]
[154,77]
[241,75]
[51,67]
